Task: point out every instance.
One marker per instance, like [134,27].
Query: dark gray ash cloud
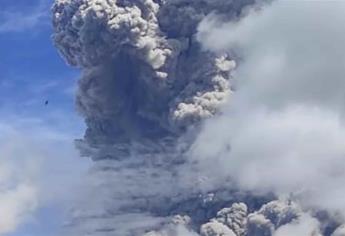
[151,76]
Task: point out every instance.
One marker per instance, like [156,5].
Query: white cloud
[18,193]
[292,50]
[16,206]
[35,160]
[304,226]
[284,128]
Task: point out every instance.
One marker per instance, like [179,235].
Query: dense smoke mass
[152,75]
[155,78]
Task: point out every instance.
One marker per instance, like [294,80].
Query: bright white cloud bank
[283,129]
[18,191]
[38,168]
[305,227]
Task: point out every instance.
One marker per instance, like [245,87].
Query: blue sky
[30,67]
[37,139]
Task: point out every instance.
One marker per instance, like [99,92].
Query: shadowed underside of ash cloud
[145,88]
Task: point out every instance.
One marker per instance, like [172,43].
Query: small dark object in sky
[46,102]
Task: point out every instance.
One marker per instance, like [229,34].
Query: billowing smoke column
[144,75]
[146,83]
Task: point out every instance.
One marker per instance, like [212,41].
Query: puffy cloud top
[144,74]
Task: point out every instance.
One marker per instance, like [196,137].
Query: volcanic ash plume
[144,75]
[146,86]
